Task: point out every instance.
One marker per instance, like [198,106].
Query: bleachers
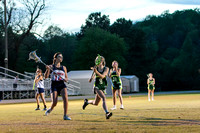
[24,87]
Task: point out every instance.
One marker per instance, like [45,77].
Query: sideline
[32,100]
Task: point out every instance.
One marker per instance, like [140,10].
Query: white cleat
[122,107]
[114,107]
[48,112]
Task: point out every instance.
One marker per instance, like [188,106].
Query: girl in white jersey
[58,77]
[39,81]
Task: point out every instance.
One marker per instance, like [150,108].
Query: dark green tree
[123,28]
[183,65]
[57,40]
[98,41]
[94,20]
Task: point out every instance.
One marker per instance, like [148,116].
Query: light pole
[6,38]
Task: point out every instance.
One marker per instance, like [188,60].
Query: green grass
[168,113]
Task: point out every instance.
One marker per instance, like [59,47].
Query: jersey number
[100,81]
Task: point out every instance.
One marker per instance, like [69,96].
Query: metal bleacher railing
[24,87]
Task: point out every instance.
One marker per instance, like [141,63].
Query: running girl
[100,72]
[58,77]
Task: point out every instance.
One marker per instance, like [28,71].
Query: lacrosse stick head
[98,60]
[33,56]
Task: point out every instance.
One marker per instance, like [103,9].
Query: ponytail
[103,60]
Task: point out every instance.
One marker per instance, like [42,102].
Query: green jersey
[150,85]
[116,81]
[100,84]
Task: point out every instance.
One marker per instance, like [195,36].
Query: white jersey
[40,84]
[58,74]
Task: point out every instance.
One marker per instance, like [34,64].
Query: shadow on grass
[160,121]
[102,115]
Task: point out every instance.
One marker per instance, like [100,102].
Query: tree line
[166,45]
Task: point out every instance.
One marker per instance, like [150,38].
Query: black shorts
[40,90]
[57,86]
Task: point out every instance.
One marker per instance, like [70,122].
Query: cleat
[114,108]
[48,112]
[85,104]
[108,115]
[44,109]
[37,109]
[122,107]
[65,117]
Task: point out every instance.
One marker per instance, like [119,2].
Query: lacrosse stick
[33,55]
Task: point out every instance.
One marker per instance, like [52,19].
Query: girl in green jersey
[115,73]
[99,73]
[151,86]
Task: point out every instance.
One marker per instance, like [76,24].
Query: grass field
[168,113]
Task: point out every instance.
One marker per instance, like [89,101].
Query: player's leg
[65,103]
[103,97]
[120,98]
[93,102]
[149,92]
[37,101]
[114,98]
[43,100]
[152,94]
[54,102]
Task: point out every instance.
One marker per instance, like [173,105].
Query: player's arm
[110,73]
[154,82]
[37,78]
[66,77]
[118,71]
[102,75]
[47,72]
[147,81]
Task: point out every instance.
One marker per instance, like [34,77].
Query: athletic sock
[106,111]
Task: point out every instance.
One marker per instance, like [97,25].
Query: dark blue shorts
[57,86]
[40,90]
